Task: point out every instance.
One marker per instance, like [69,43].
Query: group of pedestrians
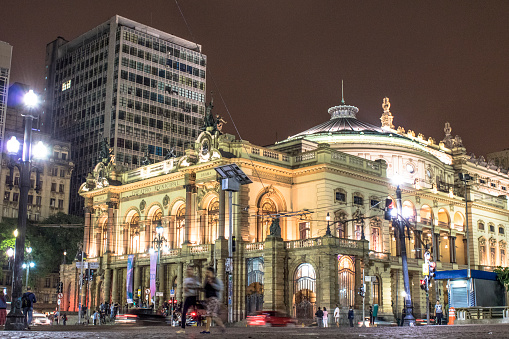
[213,288]
[322,316]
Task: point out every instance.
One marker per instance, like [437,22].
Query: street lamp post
[409,318]
[15,320]
[158,242]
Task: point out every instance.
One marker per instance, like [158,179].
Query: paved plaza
[124,332]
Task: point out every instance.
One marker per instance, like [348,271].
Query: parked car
[141,316]
[270,318]
[195,315]
[40,319]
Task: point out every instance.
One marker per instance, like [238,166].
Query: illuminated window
[304,230]
[66,85]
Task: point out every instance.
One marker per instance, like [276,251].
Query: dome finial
[342,93]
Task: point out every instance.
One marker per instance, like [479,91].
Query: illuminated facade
[141,89]
[341,168]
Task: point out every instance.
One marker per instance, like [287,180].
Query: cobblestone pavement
[124,332]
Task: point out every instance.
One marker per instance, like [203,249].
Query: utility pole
[409,318]
[363,299]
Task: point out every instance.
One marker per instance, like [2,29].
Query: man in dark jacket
[319,317]
[350,316]
[27,302]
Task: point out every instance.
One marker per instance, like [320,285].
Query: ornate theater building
[333,176]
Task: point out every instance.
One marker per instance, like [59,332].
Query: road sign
[425,269]
[93,265]
[228,265]
[172,293]
[147,291]
[59,301]
[80,264]
[60,295]
[159,294]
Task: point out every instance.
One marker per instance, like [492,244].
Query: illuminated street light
[15,233]
[29,250]
[10,252]
[30,99]
[13,145]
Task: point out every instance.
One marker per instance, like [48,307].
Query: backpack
[25,301]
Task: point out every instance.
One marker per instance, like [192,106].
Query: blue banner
[129,278]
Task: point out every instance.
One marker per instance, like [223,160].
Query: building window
[47,282]
[358,200]
[7,195]
[482,251]
[500,229]
[16,181]
[340,225]
[52,202]
[180,222]
[60,203]
[376,292]
[480,226]
[15,196]
[493,256]
[346,271]
[492,228]
[374,203]
[502,257]
[213,219]
[46,298]
[340,196]
[30,199]
[38,200]
[62,173]
[53,187]
[375,226]
[61,188]
[304,230]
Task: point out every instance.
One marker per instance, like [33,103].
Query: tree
[502,275]
[50,238]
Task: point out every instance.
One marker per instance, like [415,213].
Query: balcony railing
[303,243]
[254,246]
[205,248]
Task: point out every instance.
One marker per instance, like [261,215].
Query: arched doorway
[346,273]
[305,291]
[254,290]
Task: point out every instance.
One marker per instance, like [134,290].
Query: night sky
[278,65]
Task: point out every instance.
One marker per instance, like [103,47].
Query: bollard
[452,316]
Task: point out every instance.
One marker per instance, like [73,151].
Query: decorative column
[137,281]
[171,232]
[189,212]
[274,279]
[107,285]
[86,236]
[222,209]
[114,296]
[452,248]
[111,234]
[203,233]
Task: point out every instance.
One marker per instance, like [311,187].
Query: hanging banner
[129,278]
[153,270]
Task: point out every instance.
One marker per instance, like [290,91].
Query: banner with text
[153,270]
[129,278]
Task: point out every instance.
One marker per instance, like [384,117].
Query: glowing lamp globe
[151,251]
[13,145]
[24,265]
[32,265]
[159,229]
[31,99]
[40,151]
[10,252]
[29,250]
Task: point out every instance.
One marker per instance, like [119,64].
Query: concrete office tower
[140,89]
[5,70]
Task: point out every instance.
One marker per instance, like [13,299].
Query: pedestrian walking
[351,316]
[213,292]
[64,319]
[319,317]
[27,303]
[3,308]
[325,318]
[96,318]
[191,285]
[438,313]
[336,315]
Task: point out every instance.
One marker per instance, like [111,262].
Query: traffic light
[423,284]
[60,287]
[361,291]
[234,245]
[432,266]
[390,209]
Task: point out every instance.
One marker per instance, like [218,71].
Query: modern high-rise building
[5,69]
[139,89]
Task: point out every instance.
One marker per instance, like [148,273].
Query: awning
[462,274]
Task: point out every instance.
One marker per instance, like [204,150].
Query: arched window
[459,222]
[213,221]
[375,243]
[180,222]
[377,298]
[443,218]
[426,215]
[346,271]
[134,233]
[408,210]
[480,225]
[268,209]
[305,291]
